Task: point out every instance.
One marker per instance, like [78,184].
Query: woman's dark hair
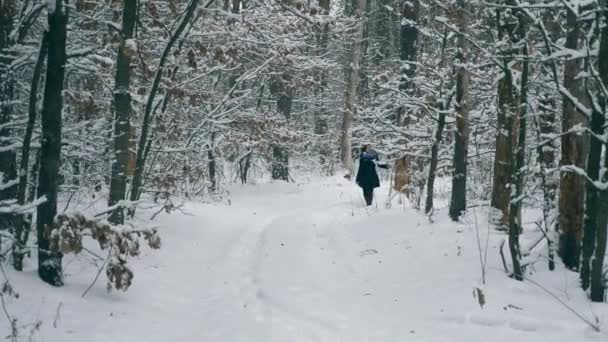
[364,148]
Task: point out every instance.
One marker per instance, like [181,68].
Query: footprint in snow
[367,252]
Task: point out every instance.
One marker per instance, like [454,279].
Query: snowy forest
[205,156]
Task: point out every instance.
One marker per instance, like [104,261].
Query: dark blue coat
[367,178]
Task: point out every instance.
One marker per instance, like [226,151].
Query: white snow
[285,262]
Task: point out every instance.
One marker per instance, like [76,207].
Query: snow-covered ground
[286,262]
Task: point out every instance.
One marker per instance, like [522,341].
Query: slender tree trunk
[519,153]
[122,110]
[23,221]
[49,262]
[507,133]
[236,6]
[408,49]
[593,218]
[140,162]
[598,278]
[442,105]
[592,200]
[283,91]
[8,156]
[321,112]
[352,83]
[211,165]
[574,153]
[428,208]
[545,150]
[458,202]
[546,121]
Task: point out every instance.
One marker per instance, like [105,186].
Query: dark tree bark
[519,152]
[458,201]
[236,6]
[510,107]
[383,31]
[408,48]
[507,133]
[428,207]
[49,261]
[545,150]
[321,112]
[244,165]
[592,200]
[211,165]
[351,85]
[283,91]
[574,152]
[8,156]
[598,278]
[22,226]
[442,105]
[122,111]
[409,36]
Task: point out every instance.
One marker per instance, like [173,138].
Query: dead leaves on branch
[121,242]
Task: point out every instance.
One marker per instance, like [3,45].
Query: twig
[502,256]
[57,315]
[98,273]
[594,326]
[13,321]
[482,259]
[69,200]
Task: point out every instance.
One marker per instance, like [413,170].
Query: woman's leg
[368,194]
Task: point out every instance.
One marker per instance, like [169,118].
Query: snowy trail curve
[309,263]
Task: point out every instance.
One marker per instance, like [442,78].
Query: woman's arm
[384,165]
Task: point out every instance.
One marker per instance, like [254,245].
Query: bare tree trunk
[408,49]
[598,278]
[545,129]
[428,207]
[507,134]
[236,6]
[49,261]
[8,156]
[458,202]
[122,109]
[211,165]
[352,83]
[572,185]
[518,153]
[145,127]
[22,226]
[321,113]
[283,91]
[546,121]
[442,105]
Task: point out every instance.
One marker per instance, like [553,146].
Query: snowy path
[309,263]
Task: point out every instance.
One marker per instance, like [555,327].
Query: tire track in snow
[244,262]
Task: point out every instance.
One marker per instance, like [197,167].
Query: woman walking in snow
[367,178]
